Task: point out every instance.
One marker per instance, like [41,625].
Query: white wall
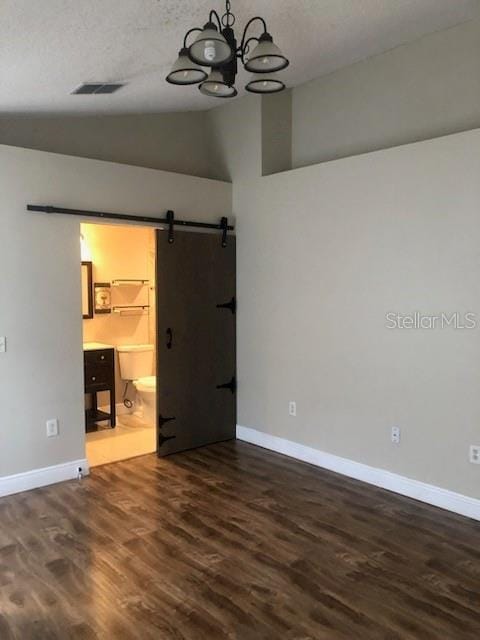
[177,142]
[276,132]
[41,374]
[418,91]
[323,254]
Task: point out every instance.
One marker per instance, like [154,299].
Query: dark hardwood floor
[234,542]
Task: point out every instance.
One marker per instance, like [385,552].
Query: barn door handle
[232,305]
[162,420]
[224,228]
[232,385]
[169,333]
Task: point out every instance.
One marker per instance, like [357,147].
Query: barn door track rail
[168,220]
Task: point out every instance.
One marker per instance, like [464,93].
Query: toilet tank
[136,360]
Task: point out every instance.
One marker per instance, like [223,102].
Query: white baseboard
[42,477]
[436,496]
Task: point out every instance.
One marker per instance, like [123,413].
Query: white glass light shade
[210,48]
[215,86]
[264,83]
[266,57]
[184,71]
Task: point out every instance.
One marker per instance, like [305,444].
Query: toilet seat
[148,383]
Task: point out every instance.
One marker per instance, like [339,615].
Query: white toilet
[136,365]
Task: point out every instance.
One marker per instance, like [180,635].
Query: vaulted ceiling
[50,47]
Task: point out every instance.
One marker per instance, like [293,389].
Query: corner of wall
[237,138]
[276,132]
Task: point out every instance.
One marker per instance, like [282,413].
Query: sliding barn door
[196,313]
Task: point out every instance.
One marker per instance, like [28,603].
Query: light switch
[52,428]
[3,344]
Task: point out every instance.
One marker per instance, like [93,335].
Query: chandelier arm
[243,52]
[213,13]
[242,43]
[188,33]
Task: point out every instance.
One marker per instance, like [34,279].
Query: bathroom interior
[119,333]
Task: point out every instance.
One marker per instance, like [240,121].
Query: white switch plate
[292,408]
[3,344]
[396,435]
[52,428]
[474,454]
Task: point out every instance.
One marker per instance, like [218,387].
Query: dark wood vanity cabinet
[99,375]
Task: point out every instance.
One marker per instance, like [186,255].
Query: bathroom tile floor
[130,438]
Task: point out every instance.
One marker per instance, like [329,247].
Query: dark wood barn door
[196,340]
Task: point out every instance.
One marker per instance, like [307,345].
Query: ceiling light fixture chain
[228,18]
[216,47]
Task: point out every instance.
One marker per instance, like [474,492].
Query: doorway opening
[159,340]
[119,341]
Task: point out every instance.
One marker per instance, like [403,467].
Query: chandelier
[216,47]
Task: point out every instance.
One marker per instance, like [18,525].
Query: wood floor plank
[233,542]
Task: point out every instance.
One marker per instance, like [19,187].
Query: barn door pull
[232,385]
[224,227]
[170,222]
[162,420]
[232,305]
[169,343]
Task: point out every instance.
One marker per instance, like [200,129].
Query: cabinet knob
[102,357]
[93,378]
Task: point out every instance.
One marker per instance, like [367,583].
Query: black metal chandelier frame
[263,80]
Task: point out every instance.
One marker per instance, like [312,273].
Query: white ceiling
[49,47]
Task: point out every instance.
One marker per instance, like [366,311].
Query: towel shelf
[125,282]
[131,309]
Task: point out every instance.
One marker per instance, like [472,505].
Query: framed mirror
[87,290]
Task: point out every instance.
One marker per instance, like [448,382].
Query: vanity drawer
[98,375]
[98,357]
[98,369]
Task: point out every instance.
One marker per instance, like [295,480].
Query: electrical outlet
[474,455]
[292,408]
[396,435]
[52,428]
[3,344]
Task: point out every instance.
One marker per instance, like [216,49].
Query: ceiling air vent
[90,88]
